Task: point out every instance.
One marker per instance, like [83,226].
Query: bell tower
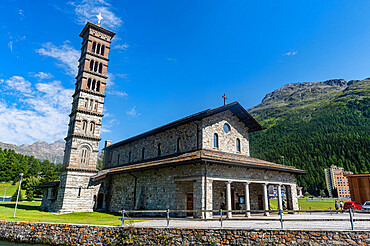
[75,193]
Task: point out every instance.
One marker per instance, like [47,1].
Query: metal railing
[166,215]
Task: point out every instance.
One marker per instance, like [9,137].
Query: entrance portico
[214,193]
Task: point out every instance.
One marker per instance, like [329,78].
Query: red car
[353,205]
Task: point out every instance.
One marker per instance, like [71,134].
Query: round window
[226,128]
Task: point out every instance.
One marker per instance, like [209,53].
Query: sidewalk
[319,221]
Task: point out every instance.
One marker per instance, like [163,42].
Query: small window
[98,86]
[92,127]
[96,67]
[91,65]
[118,159]
[238,145]
[143,154]
[100,68]
[79,191]
[93,46]
[98,49]
[89,83]
[215,140]
[102,50]
[159,149]
[93,84]
[226,128]
[96,106]
[178,147]
[130,157]
[84,123]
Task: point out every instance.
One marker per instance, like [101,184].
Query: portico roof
[200,156]
[234,107]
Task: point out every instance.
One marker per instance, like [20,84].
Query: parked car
[366,205]
[353,205]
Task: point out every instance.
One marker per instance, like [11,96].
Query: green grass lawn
[305,205]
[29,211]
[10,189]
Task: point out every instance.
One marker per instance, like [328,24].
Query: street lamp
[19,189]
[283,160]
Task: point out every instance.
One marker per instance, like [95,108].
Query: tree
[14,196]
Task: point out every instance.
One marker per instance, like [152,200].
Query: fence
[166,215]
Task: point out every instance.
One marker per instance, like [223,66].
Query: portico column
[247,201]
[265,199]
[280,202]
[228,198]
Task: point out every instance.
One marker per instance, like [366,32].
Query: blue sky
[170,59]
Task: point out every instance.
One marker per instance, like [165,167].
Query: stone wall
[227,141]
[63,234]
[120,155]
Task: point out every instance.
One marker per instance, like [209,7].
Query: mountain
[315,125]
[41,150]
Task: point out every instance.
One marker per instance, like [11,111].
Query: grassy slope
[10,189]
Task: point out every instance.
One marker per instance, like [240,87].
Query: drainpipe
[205,189]
[197,135]
[135,180]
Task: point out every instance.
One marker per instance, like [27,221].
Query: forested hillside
[35,172]
[314,126]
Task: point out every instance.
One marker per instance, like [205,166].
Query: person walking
[336,205]
[341,205]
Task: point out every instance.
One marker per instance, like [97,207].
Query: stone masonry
[66,234]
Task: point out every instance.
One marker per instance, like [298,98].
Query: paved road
[328,222]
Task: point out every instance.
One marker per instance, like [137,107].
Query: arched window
[238,145]
[89,83]
[100,68]
[84,155]
[91,103]
[129,156]
[98,86]
[102,50]
[92,127]
[96,67]
[93,85]
[86,101]
[98,48]
[215,140]
[143,154]
[91,65]
[159,149]
[93,46]
[178,147]
[84,125]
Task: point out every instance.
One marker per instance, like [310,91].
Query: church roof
[199,156]
[234,107]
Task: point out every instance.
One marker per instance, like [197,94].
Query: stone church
[200,162]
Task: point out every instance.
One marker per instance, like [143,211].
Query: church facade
[200,162]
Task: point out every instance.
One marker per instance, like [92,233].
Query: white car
[366,205]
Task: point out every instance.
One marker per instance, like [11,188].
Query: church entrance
[100,201]
[189,203]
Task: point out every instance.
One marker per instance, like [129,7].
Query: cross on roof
[99,18]
[225,97]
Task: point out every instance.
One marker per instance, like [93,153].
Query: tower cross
[99,18]
[225,97]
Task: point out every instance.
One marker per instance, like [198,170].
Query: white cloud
[117,93]
[41,75]
[171,59]
[66,55]
[18,83]
[87,10]
[291,53]
[133,112]
[41,114]
[121,46]
[10,45]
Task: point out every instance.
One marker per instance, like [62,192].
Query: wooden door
[189,203]
[260,203]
